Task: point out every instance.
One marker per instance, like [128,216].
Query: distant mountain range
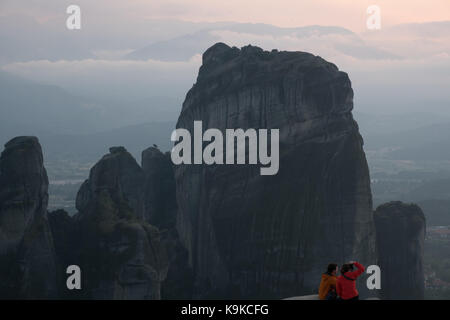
[30,108]
[183,47]
[89,147]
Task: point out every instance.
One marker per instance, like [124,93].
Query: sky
[403,66]
[350,14]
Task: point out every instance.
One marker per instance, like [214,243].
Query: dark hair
[346,267]
[331,267]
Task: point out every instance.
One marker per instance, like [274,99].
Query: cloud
[393,71]
[416,40]
[348,13]
[328,46]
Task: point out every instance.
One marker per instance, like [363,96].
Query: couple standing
[342,287]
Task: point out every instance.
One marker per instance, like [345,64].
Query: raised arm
[356,273]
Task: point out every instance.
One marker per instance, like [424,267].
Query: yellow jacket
[328,282]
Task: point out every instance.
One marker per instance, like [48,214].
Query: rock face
[161,210]
[400,230]
[27,257]
[120,175]
[160,198]
[123,237]
[272,236]
[120,254]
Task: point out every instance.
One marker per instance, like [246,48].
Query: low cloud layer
[388,76]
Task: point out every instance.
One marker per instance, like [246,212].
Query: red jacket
[346,289]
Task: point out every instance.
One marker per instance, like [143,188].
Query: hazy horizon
[283,13]
[133,63]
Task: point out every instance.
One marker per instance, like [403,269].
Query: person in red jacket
[346,282]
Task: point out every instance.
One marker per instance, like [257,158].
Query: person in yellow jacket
[327,288]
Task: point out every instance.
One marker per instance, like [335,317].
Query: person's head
[332,269]
[346,267]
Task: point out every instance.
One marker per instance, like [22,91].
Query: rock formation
[121,255]
[161,209]
[216,231]
[160,198]
[400,233]
[27,258]
[272,236]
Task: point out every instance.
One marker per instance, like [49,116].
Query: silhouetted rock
[161,209]
[63,230]
[120,176]
[271,236]
[400,230]
[160,197]
[120,254]
[27,257]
